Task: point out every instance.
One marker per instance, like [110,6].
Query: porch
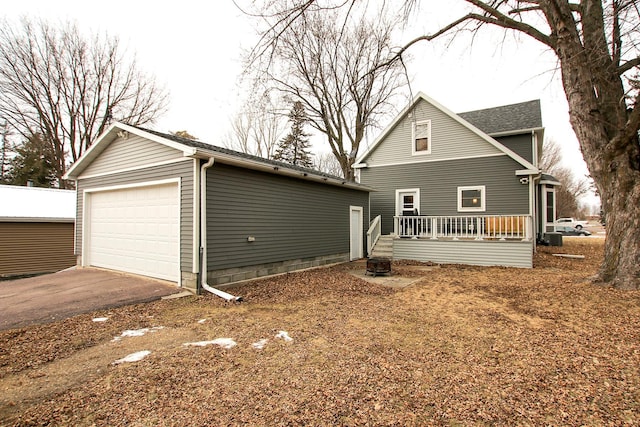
[504,240]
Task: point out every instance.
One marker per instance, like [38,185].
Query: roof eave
[111,134]
[516,132]
[463,122]
[35,219]
[278,169]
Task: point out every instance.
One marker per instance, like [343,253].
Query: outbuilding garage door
[136,230]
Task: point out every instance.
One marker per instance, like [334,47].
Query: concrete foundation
[228,276]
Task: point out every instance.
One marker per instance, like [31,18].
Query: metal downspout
[203,236]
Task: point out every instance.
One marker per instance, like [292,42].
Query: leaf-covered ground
[460,346]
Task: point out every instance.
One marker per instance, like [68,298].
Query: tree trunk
[598,114]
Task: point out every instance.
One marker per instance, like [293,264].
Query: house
[181,210]
[459,188]
[36,230]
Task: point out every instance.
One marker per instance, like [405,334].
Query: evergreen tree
[34,161]
[294,148]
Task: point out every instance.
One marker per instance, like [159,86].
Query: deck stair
[383,247]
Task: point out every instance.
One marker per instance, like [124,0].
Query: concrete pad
[56,296]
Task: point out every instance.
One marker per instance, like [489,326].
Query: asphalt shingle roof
[222,150]
[506,118]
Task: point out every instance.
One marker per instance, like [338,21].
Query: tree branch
[628,65]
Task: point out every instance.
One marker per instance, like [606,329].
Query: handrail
[373,233]
[476,227]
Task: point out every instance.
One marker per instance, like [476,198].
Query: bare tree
[573,187]
[4,150]
[257,127]
[184,134]
[331,63]
[57,83]
[327,163]
[597,44]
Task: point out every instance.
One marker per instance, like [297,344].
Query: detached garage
[36,230]
[181,210]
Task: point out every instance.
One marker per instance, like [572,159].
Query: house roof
[198,149]
[545,178]
[530,168]
[523,116]
[34,204]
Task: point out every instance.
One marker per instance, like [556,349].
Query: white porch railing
[478,227]
[373,233]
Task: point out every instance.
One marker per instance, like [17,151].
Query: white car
[571,222]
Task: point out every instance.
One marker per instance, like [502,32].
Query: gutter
[279,169]
[203,237]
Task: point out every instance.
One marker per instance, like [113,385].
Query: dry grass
[463,346]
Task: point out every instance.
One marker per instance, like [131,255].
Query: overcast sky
[194,48]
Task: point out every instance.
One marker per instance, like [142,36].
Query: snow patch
[259,345]
[100,319]
[222,342]
[136,332]
[133,357]
[284,335]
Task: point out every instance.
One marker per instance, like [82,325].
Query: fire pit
[377,266]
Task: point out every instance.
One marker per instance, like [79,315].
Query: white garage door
[136,230]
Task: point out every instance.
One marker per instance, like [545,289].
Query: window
[471,199]
[421,137]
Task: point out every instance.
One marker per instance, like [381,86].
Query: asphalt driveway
[60,295]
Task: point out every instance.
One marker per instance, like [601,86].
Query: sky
[195,48]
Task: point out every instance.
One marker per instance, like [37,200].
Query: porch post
[434,228]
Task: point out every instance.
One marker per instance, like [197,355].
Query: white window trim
[482,207]
[416,201]
[413,138]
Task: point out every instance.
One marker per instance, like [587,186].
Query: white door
[408,202]
[136,230]
[355,232]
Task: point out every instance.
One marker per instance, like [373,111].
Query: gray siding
[182,170]
[129,153]
[522,145]
[449,139]
[510,254]
[438,183]
[289,218]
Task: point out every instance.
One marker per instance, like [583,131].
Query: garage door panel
[136,230]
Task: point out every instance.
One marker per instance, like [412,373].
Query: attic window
[421,137]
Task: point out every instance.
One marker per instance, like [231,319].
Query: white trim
[522,172]
[544,221]
[195,268]
[515,132]
[423,97]
[414,124]
[483,192]
[360,236]
[204,153]
[110,135]
[534,142]
[416,202]
[86,206]
[135,168]
[417,161]
[132,185]
[550,182]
